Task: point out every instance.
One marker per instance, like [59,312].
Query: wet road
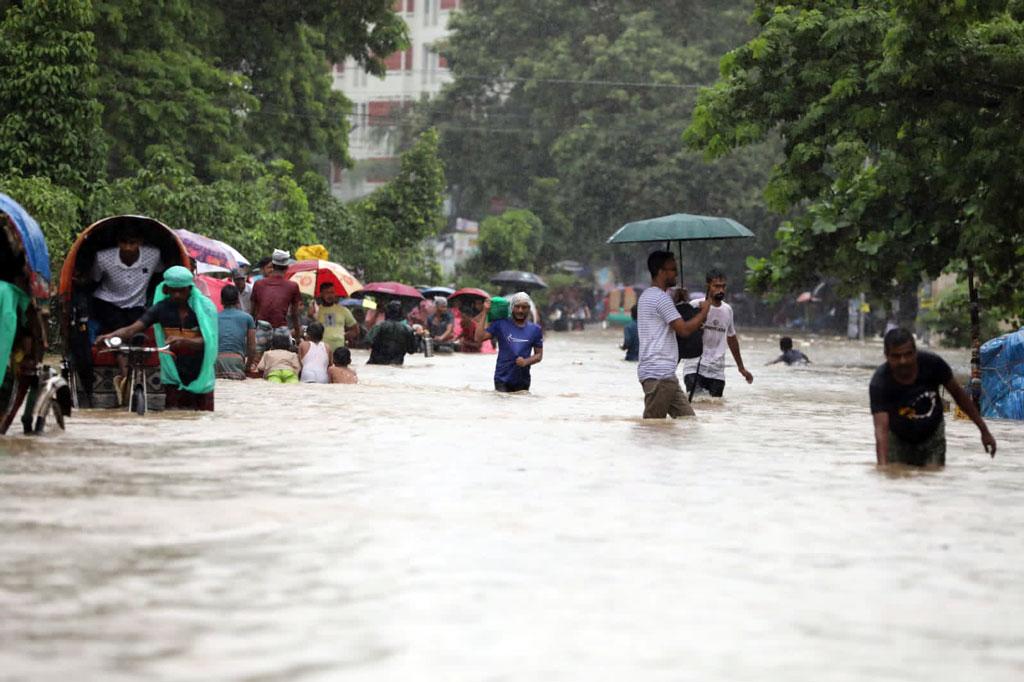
[420,526]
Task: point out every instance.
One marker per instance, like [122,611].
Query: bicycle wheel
[58,414]
[139,399]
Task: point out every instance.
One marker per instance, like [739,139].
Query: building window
[407,56]
[393,62]
[449,4]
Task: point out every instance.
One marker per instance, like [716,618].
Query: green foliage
[50,122]
[575,110]
[55,208]
[212,80]
[255,207]
[383,235]
[509,241]
[900,124]
[159,84]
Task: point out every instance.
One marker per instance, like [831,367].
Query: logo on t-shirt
[921,407]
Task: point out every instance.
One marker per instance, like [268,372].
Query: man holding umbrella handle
[658,324]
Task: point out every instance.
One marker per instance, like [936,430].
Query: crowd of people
[265,330]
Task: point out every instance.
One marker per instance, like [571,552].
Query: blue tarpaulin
[1002,376]
[31,236]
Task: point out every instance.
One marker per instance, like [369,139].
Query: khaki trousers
[665,398]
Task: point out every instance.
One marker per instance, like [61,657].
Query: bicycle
[138,371]
[42,390]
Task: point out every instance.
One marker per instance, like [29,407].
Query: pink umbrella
[211,288]
[396,289]
[207,250]
[469,291]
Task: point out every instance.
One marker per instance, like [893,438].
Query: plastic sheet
[1002,376]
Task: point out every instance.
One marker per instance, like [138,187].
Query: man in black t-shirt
[906,407]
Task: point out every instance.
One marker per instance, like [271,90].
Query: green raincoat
[13,302]
[206,313]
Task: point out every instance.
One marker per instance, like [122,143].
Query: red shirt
[274,295]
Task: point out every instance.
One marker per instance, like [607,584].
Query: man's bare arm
[480,333]
[971,410]
[734,347]
[881,437]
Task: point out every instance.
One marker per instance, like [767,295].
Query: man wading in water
[905,404]
[520,344]
[658,323]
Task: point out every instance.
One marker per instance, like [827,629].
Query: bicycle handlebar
[115,345]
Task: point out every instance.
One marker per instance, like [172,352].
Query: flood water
[419,526]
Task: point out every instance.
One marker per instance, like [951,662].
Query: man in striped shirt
[658,323]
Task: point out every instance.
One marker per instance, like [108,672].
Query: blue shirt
[514,342]
[631,340]
[233,327]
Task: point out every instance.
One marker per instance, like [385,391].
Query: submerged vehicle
[24,296]
[91,372]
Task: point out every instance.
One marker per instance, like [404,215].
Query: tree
[55,208]
[161,85]
[509,242]
[900,123]
[255,207]
[285,51]
[580,106]
[50,125]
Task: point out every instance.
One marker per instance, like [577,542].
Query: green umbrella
[679,227]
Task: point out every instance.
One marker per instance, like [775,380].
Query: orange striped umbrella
[310,275]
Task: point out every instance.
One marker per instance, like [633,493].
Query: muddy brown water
[419,526]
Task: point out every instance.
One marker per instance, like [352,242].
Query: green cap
[178,277]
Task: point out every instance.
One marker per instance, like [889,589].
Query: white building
[376,102]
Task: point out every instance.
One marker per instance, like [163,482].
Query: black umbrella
[517,279]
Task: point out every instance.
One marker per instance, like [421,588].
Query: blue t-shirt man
[514,341]
[233,325]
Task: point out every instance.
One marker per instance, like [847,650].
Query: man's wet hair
[315,332]
[263,262]
[632,311]
[342,357]
[281,342]
[656,261]
[393,311]
[785,343]
[229,295]
[897,337]
[713,274]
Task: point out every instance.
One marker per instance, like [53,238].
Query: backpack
[691,346]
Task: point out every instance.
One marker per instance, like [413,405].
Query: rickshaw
[92,372]
[24,296]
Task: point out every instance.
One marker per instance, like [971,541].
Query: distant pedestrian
[236,337]
[907,409]
[658,324]
[708,370]
[790,355]
[392,339]
[520,343]
[631,338]
[277,300]
[341,372]
[280,364]
[314,355]
[340,326]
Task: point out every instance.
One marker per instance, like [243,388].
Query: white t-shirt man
[124,285]
[659,351]
[717,329]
